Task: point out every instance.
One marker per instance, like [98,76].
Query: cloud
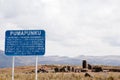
[73,27]
[113,40]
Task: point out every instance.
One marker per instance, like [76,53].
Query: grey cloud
[113,41]
[13,8]
[68,23]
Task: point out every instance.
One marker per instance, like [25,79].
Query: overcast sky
[73,27]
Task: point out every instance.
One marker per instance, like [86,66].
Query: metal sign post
[36,69]
[13,66]
[25,43]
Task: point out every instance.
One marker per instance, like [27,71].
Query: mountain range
[6,61]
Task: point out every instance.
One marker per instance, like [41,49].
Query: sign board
[24,42]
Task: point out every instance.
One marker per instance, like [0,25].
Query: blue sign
[24,42]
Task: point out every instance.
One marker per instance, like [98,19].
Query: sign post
[36,68]
[25,43]
[13,66]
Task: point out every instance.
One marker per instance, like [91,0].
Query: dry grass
[63,76]
[20,74]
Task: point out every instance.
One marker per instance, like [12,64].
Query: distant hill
[6,61]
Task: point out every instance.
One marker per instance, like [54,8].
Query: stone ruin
[85,68]
[84,64]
